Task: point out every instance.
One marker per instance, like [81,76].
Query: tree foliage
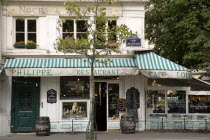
[180,31]
[100,39]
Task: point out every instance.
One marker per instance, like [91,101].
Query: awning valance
[155,66]
[70,67]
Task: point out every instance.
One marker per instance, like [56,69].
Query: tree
[180,31]
[98,34]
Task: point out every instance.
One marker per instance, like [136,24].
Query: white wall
[5,105]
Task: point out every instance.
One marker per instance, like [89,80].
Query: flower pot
[31,46]
[19,45]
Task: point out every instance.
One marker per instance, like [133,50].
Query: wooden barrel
[127,124]
[42,126]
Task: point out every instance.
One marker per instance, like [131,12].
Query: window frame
[165,89]
[25,28]
[74,28]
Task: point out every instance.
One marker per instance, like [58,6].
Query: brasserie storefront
[59,88]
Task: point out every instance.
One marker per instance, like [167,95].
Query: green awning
[68,63]
[69,67]
[155,66]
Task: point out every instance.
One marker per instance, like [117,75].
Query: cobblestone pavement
[144,135]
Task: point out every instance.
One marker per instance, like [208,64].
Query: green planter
[19,45]
[30,46]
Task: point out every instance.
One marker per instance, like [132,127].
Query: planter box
[19,45]
[30,46]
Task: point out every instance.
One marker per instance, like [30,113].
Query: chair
[154,121]
[201,122]
[177,120]
[189,123]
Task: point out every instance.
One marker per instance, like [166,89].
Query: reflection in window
[74,87]
[74,110]
[199,103]
[155,102]
[176,101]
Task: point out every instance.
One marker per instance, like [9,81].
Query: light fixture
[118,78]
[154,81]
[78,79]
[37,85]
[64,95]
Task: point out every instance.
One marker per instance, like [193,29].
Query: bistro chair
[201,122]
[163,121]
[189,122]
[177,120]
[154,121]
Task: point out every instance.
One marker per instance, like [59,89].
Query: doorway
[101,106]
[25,103]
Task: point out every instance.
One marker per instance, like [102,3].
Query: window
[74,29]
[156,102]
[199,103]
[176,101]
[113,93]
[25,30]
[74,110]
[74,87]
[107,34]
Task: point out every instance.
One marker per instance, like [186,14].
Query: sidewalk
[144,135]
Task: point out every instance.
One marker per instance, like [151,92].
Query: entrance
[101,110]
[25,103]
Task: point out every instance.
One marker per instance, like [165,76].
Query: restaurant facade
[38,81]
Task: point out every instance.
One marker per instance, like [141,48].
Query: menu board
[132,96]
[51,96]
[121,105]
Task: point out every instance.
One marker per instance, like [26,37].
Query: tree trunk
[92,100]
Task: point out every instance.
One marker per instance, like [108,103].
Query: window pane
[113,96]
[74,87]
[20,25]
[74,110]
[81,35]
[31,25]
[81,26]
[32,36]
[155,102]
[68,26]
[176,101]
[67,34]
[112,24]
[199,103]
[20,37]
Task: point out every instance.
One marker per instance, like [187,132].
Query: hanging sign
[121,105]
[133,41]
[51,96]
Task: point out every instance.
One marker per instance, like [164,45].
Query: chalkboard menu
[121,105]
[51,96]
[199,103]
[132,96]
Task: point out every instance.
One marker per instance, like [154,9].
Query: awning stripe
[150,61]
[67,63]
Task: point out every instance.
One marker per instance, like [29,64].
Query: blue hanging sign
[133,41]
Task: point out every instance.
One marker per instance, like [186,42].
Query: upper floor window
[26,30]
[107,32]
[74,29]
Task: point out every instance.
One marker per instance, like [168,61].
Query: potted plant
[31,44]
[20,44]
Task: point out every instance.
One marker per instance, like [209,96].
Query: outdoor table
[162,122]
[184,117]
[72,127]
